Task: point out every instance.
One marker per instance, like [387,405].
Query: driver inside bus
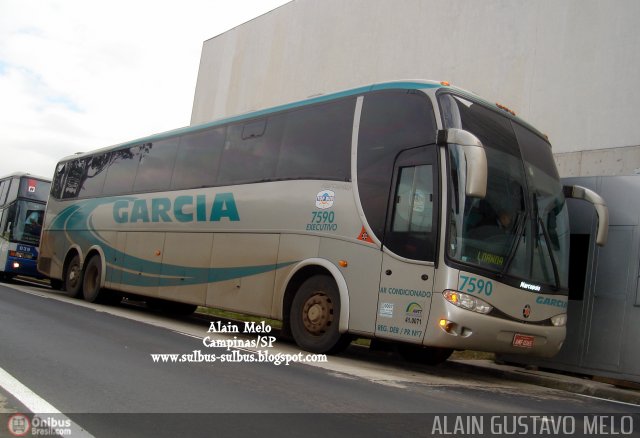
[505,220]
[33,224]
[489,222]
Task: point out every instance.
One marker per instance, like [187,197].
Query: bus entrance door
[407,275]
[404,300]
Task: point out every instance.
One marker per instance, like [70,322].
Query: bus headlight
[559,320]
[467,301]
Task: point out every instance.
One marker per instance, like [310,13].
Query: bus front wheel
[73,277]
[315,314]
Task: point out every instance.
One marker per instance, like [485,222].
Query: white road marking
[608,400]
[38,405]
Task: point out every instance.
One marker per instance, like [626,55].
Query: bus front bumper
[460,329]
[22,266]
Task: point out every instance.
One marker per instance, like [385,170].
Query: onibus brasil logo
[21,425]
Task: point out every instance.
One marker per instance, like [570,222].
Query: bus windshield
[27,222]
[520,229]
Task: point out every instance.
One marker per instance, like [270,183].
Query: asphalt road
[94,363]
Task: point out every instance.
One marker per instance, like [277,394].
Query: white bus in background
[22,203]
[411,212]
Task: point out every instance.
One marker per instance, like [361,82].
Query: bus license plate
[523,341]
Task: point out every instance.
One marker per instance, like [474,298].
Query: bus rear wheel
[91,289]
[73,277]
[315,314]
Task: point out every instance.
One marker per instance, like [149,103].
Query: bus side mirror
[579,192]
[475,156]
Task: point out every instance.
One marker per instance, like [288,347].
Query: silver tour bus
[411,212]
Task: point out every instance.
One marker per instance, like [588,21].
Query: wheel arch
[306,269]
[71,252]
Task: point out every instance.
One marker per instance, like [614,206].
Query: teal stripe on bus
[78,218]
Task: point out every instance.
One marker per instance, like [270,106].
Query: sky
[78,75]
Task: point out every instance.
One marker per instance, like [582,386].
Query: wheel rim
[317,314]
[74,275]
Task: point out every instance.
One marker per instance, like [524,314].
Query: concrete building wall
[600,162]
[569,67]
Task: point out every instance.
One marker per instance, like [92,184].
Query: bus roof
[414,84]
[25,175]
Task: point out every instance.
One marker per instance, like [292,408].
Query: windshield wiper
[520,221]
[547,239]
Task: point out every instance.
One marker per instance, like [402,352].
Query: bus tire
[56,284]
[73,277]
[315,314]
[91,290]
[424,355]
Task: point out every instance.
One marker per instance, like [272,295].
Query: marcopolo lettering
[529,286]
[180,209]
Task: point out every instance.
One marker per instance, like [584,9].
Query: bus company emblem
[180,209]
[551,302]
[526,312]
[325,198]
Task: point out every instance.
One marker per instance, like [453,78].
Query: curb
[547,379]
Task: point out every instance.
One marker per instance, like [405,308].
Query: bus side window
[414,200]
[121,173]
[4,188]
[5,226]
[58,181]
[155,166]
[75,175]
[391,121]
[13,190]
[95,175]
[316,142]
[198,159]
[248,155]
